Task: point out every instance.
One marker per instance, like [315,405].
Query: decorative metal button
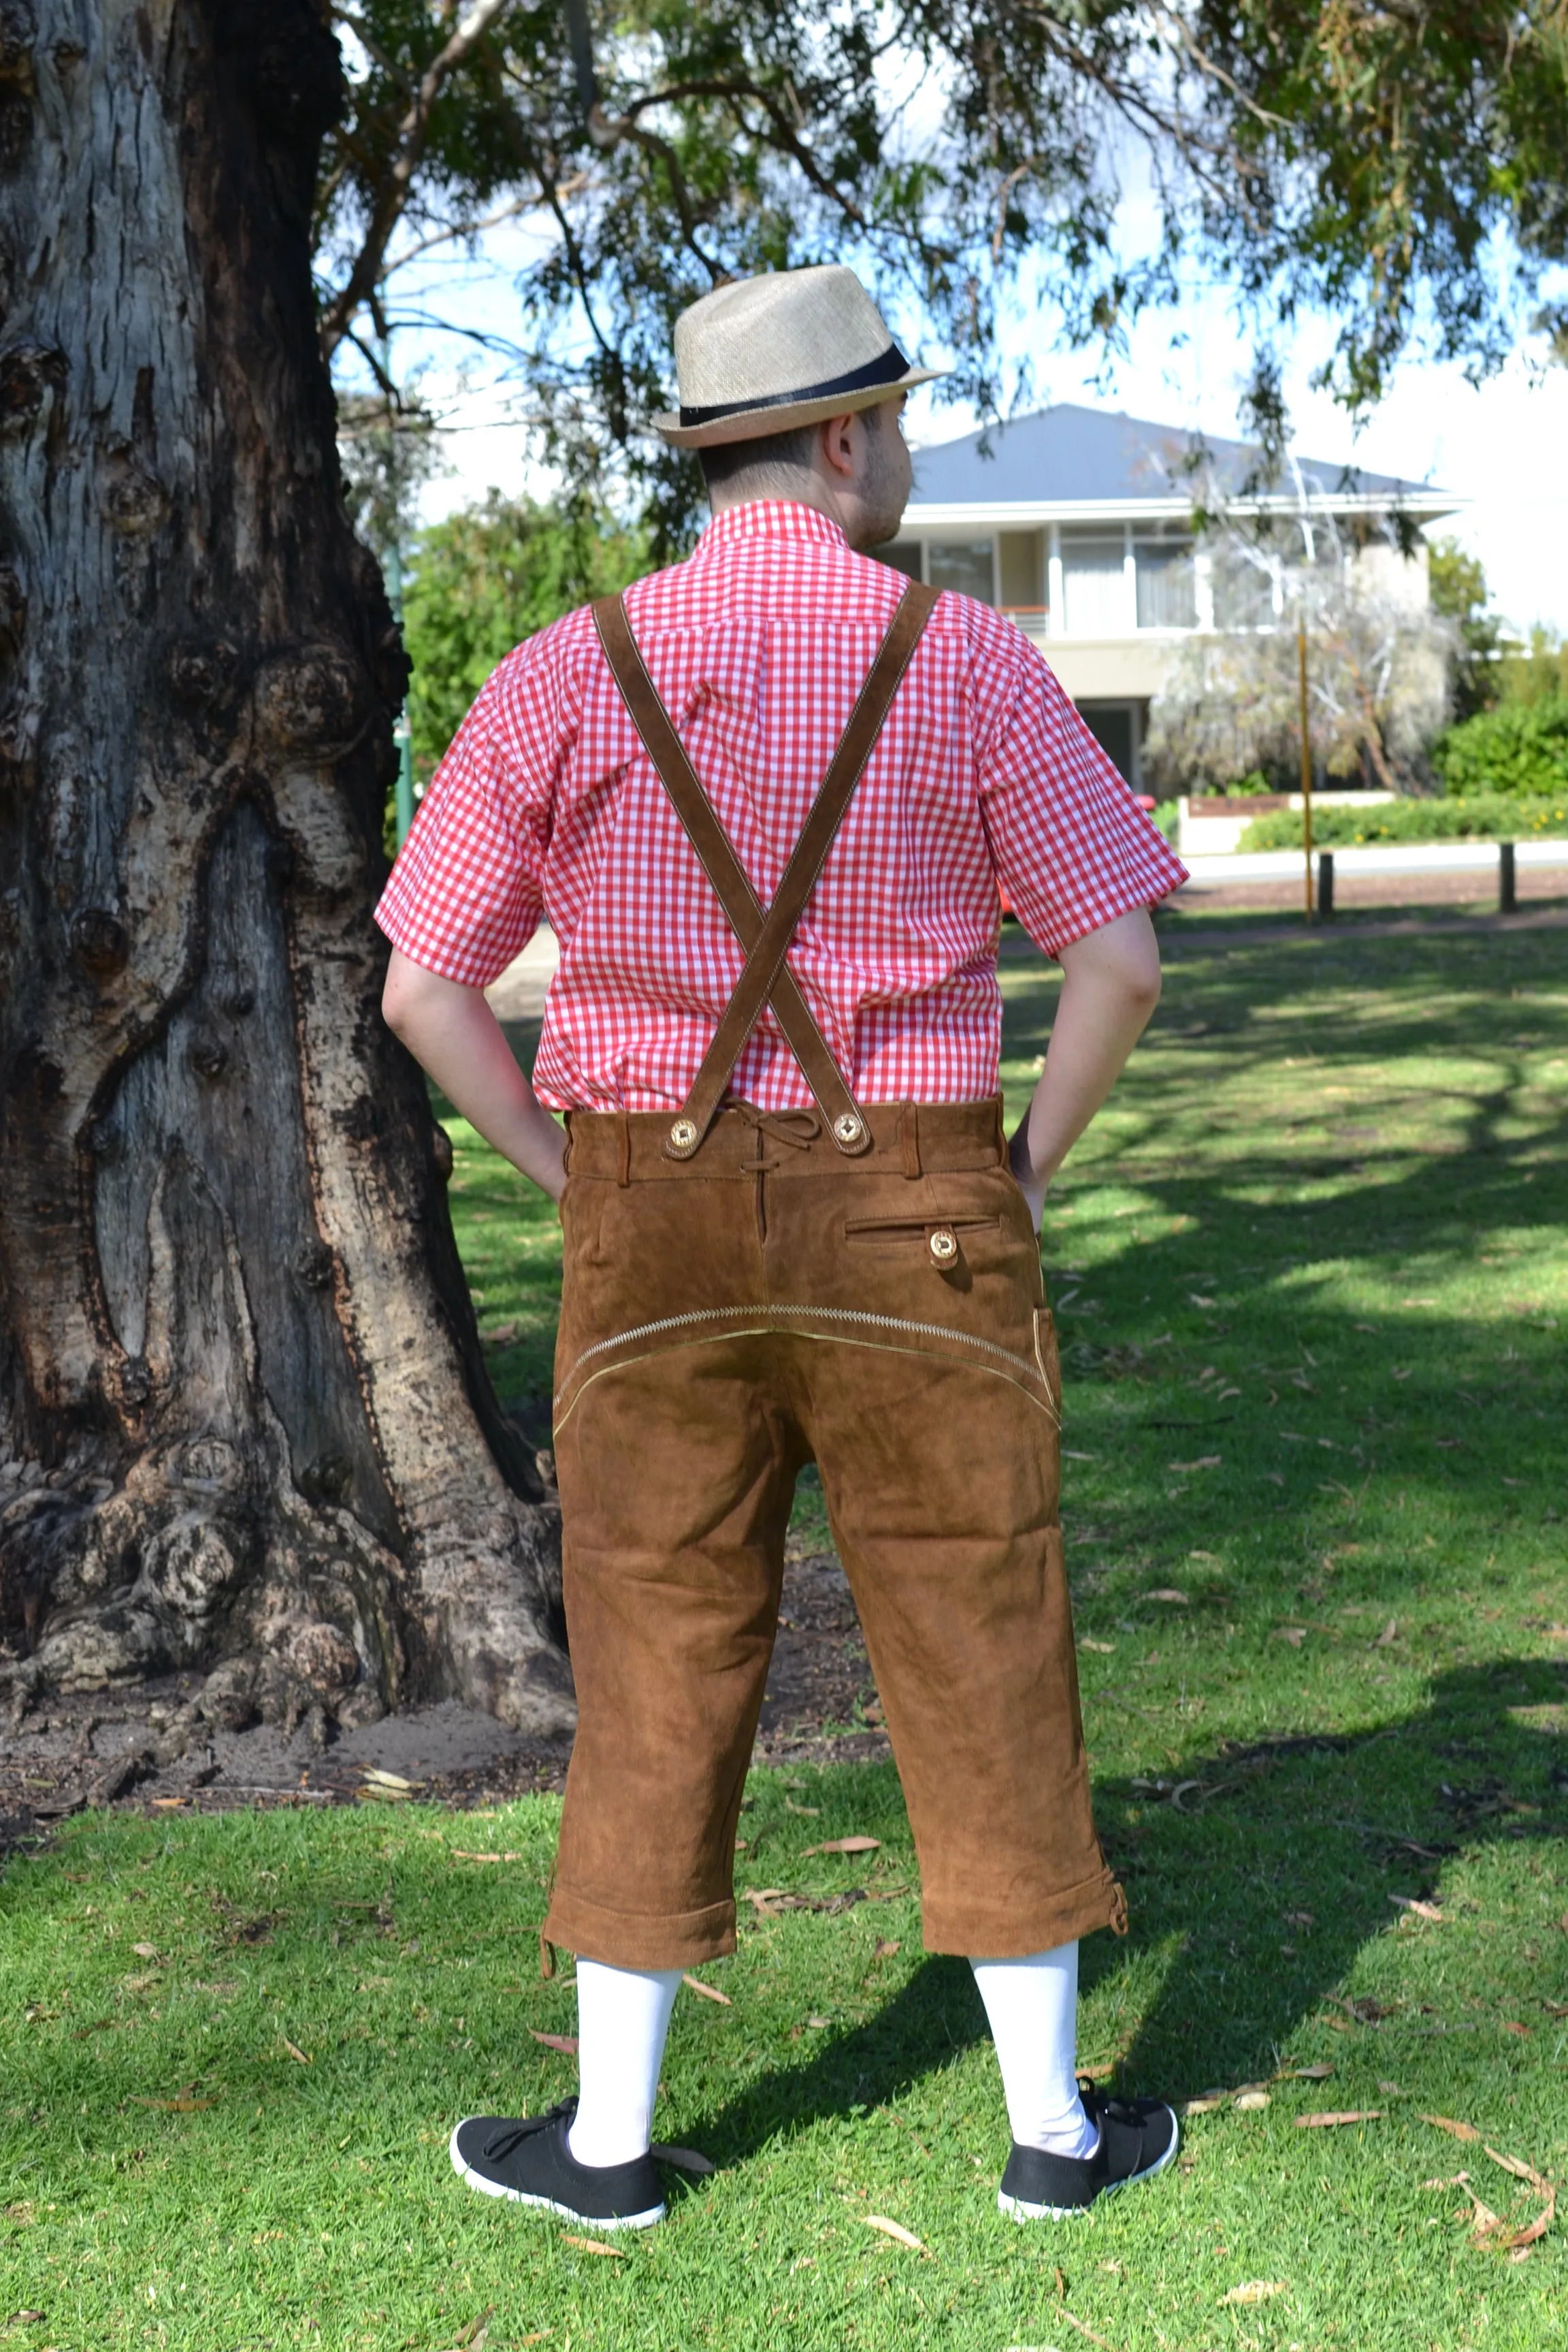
[943,1246]
[683,1135]
[848,1129]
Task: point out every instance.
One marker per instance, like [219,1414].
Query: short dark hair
[771,453]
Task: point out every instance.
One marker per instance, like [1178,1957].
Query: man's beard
[886,490]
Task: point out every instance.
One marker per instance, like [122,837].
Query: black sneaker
[531,2162]
[1138,2138]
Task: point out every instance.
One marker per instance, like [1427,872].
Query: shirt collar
[769,519]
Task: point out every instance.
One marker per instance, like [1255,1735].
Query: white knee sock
[623,2016]
[1033,2008]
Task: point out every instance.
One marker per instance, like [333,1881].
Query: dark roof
[1067,452]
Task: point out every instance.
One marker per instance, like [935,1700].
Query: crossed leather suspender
[765,977]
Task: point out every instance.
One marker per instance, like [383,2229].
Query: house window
[1094,584]
[1167,584]
[966,564]
[902,554]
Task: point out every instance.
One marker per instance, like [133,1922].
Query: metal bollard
[1325,885]
[1507,895]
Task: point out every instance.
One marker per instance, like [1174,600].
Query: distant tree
[1457,585]
[1230,704]
[484,579]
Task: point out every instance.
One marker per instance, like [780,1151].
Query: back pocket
[912,1233]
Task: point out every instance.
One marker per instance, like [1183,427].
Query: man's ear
[838,444]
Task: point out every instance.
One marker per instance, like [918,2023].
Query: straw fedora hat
[765,355]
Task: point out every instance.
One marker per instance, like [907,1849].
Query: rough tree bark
[243,1422]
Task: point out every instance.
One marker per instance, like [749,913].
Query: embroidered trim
[859,1316]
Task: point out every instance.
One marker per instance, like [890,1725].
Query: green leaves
[1354,159]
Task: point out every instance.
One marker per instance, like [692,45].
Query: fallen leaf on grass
[461,1854]
[1520,2169]
[473,2336]
[708,1992]
[294,2050]
[566,2043]
[844,1845]
[1511,2025]
[1389,1635]
[883,1949]
[593,2246]
[145,1951]
[1511,2241]
[1339,2115]
[1168,1593]
[1250,2101]
[893,2229]
[1308,2074]
[1105,1648]
[1555,2008]
[1294,1634]
[1204,1462]
[1254,2291]
[182,2107]
[1420,1910]
[1452,2125]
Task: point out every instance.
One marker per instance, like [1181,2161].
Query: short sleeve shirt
[983,782]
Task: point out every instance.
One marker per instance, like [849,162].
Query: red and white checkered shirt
[547,804]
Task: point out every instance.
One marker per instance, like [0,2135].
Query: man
[794,1228]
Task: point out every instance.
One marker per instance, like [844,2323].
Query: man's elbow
[400,996]
[1145,982]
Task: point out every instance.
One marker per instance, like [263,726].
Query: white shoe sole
[1020,2210]
[546,2204]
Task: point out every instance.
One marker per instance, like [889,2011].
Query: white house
[1079,524]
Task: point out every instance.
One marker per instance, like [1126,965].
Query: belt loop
[910,1137]
[624,1172]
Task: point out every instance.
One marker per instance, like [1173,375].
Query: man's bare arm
[455,1039]
[1110,985]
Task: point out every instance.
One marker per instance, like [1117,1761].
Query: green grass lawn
[1311,1286]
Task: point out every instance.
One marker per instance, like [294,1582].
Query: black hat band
[887,368]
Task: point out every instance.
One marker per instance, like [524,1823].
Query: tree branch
[411,134]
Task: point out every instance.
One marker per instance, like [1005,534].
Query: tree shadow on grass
[1266,1870]
[931,2019]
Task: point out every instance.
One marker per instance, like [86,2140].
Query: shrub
[1490,816]
[1519,746]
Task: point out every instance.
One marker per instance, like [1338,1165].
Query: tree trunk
[245,1426]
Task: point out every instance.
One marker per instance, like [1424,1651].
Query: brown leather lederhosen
[747,1291]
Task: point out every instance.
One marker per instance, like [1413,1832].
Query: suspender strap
[765,977]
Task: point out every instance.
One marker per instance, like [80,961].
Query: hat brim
[754,423]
